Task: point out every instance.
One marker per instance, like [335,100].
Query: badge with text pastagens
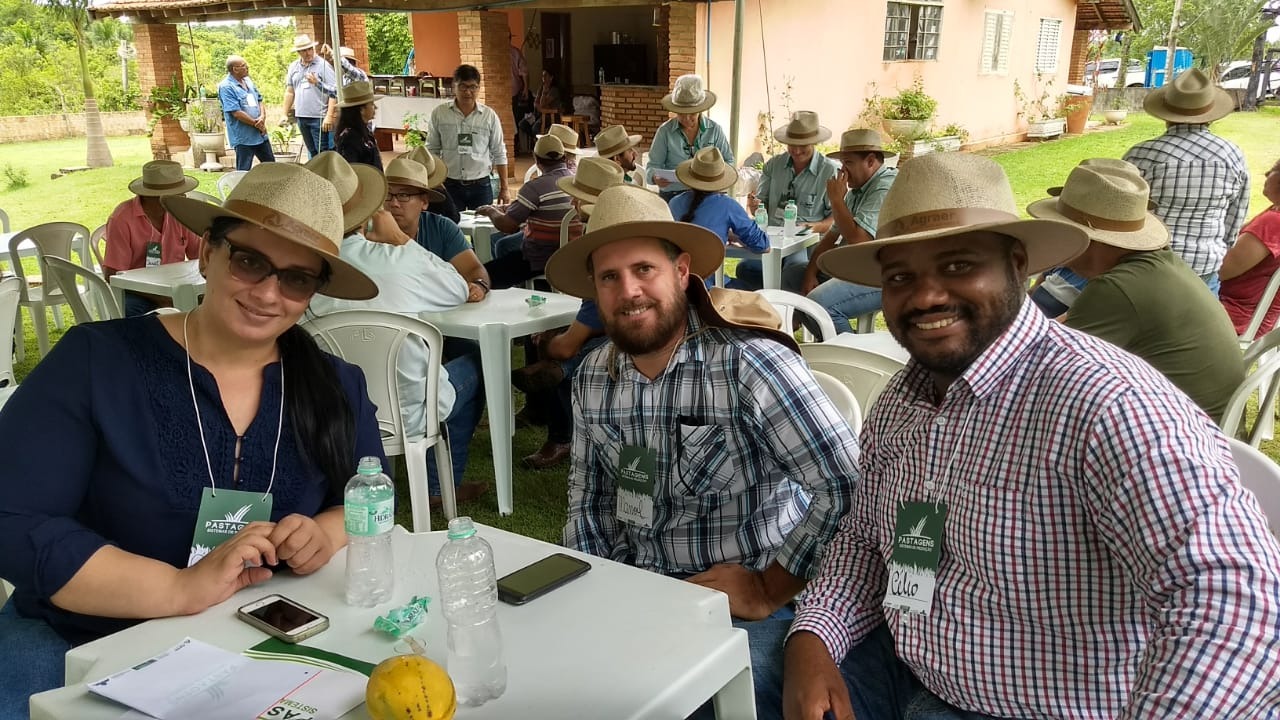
[637,468]
[223,513]
[913,564]
[465,140]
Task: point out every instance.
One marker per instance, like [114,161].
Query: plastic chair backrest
[865,373]
[228,181]
[842,397]
[566,224]
[4,221]
[533,172]
[1264,379]
[199,195]
[1260,347]
[68,277]
[788,304]
[53,238]
[10,291]
[1260,311]
[1261,476]
[95,246]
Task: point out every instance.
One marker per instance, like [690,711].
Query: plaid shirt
[1100,558]
[754,463]
[1200,186]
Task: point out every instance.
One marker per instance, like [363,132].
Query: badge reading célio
[913,565]
[636,469]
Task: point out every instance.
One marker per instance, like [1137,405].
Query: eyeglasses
[469,87]
[253,267]
[403,197]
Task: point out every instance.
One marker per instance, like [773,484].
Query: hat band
[693,172]
[360,99]
[162,186]
[861,148]
[942,219]
[615,148]
[1188,110]
[1099,223]
[579,185]
[281,224]
[406,181]
[801,135]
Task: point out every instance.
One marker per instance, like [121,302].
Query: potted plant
[948,139]
[206,130]
[1116,111]
[282,139]
[904,116]
[1043,112]
[414,135]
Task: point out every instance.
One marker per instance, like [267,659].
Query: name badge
[153,254]
[250,101]
[637,467]
[224,514]
[913,565]
[465,140]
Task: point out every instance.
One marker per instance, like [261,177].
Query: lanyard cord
[275,453]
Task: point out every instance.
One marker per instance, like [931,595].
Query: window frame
[1047,22]
[997,62]
[916,47]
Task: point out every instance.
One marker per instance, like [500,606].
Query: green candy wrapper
[535,301]
[400,621]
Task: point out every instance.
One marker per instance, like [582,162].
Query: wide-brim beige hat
[303,42]
[437,168]
[625,212]
[707,171]
[358,93]
[860,140]
[567,136]
[738,309]
[1190,98]
[161,178]
[689,96]
[946,194]
[613,140]
[346,52]
[361,188]
[802,130]
[594,176]
[1109,202]
[293,204]
[403,171]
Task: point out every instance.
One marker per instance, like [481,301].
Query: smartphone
[801,232]
[281,617]
[540,578]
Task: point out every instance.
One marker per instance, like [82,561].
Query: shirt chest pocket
[705,461]
[606,443]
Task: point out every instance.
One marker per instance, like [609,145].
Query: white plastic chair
[4,221]
[788,304]
[864,373]
[228,181]
[371,339]
[56,239]
[533,172]
[10,291]
[1261,381]
[1261,476]
[199,195]
[95,248]
[842,397]
[1260,311]
[92,303]
[1256,352]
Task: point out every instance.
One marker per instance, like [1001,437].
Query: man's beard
[672,315]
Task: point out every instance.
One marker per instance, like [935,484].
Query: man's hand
[810,281]
[837,186]
[811,683]
[748,596]
[488,211]
[235,564]
[661,182]
[325,51]
[753,203]
[311,78]
[327,123]
[300,542]
[384,229]
[504,194]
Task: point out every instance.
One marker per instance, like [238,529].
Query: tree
[389,42]
[76,14]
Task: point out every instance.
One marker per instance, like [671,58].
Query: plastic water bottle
[789,214]
[469,599]
[369,513]
[762,218]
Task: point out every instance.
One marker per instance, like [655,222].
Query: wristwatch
[483,285]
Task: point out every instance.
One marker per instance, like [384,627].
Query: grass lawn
[540,496]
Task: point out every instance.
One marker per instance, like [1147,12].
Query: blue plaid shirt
[754,463]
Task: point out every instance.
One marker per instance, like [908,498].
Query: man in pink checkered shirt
[1046,527]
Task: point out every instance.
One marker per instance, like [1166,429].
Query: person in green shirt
[1140,295]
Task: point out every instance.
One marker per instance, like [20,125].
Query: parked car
[1236,76]
[1104,72]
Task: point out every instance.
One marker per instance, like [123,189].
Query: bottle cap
[461,528]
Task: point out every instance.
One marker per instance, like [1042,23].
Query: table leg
[736,700]
[495,359]
[480,242]
[771,263]
[185,298]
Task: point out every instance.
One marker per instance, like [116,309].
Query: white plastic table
[180,281]
[880,343]
[478,229]
[780,247]
[617,643]
[493,322]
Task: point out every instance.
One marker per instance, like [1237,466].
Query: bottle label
[369,520]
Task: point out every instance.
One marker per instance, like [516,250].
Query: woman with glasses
[354,137]
[705,203]
[165,462]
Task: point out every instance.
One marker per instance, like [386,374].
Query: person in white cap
[1199,181]
[245,118]
[1046,527]
[305,96]
[679,138]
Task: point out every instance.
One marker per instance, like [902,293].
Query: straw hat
[303,42]
[689,96]
[548,147]
[347,52]
[437,169]
[403,171]
[859,141]
[624,212]
[707,171]
[802,130]
[593,176]
[567,136]
[359,92]
[739,309]
[613,140]
[292,203]
[1190,98]
[361,188]
[1109,202]
[945,194]
[162,177]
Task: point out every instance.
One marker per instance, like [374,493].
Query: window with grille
[911,31]
[1047,45]
[997,34]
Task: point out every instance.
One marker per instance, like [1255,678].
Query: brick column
[353,36]
[1079,49]
[312,25]
[483,38]
[677,36]
[160,64]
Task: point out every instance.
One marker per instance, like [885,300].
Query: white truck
[1103,73]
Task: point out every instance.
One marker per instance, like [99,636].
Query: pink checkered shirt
[1100,558]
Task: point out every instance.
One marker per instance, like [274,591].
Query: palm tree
[76,13]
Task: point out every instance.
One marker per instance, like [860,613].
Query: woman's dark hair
[352,133]
[323,422]
[698,197]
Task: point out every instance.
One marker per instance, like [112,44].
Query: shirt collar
[690,350]
[1186,128]
[815,162]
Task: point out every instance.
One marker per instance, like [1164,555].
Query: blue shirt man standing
[242,111]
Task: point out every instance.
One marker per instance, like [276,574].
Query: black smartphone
[281,617]
[540,578]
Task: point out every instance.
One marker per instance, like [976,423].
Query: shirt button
[940,421]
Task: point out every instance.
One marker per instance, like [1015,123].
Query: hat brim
[345,281]
[1155,106]
[1153,235]
[850,153]
[705,303]
[824,134]
[568,150]
[707,103]
[361,101]
[300,48]
[1048,243]
[632,141]
[188,184]
[373,193]
[566,186]
[567,269]
[727,179]
[432,194]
